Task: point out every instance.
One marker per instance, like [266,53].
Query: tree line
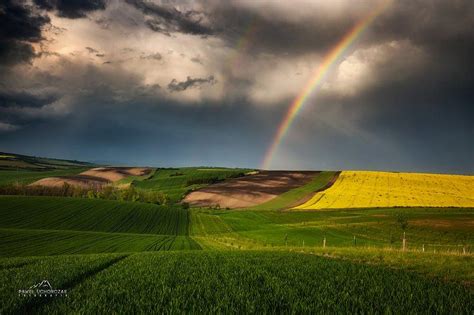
[102,192]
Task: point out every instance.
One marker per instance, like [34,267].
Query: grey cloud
[7,127]
[71,9]
[167,19]
[154,56]
[92,50]
[24,99]
[175,86]
[20,25]
[197,60]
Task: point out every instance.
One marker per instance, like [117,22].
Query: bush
[203,181]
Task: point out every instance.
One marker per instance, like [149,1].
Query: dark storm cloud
[167,19]
[20,25]
[414,114]
[175,86]
[275,34]
[24,99]
[72,9]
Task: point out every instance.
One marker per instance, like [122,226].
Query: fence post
[324,242]
[355,241]
[423,248]
[404,241]
[464,250]
[303,243]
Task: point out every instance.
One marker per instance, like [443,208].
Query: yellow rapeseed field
[363,189]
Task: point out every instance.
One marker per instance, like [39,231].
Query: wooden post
[355,241]
[423,248]
[324,242]
[464,250]
[404,241]
[303,243]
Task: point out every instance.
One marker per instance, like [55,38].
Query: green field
[12,161]
[371,227]
[9,177]
[54,225]
[132,257]
[91,215]
[177,182]
[223,282]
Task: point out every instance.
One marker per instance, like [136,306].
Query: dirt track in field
[250,190]
[95,177]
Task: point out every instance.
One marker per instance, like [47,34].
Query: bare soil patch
[444,224]
[95,177]
[83,181]
[250,190]
[114,174]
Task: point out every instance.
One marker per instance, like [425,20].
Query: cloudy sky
[170,83]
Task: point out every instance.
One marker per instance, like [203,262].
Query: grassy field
[132,257]
[432,228]
[8,177]
[12,161]
[91,215]
[235,282]
[177,182]
[27,242]
[361,189]
[54,225]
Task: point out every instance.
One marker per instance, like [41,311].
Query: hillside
[264,258]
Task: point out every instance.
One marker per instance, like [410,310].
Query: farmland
[9,177]
[123,256]
[53,225]
[360,189]
[436,229]
[11,161]
[91,215]
[250,190]
[176,182]
[236,282]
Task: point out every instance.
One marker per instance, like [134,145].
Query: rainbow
[318,77]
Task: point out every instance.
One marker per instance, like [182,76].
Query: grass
[8,177]
[362,189]
[10,161]
[28,242]
[258,260]
[56,226]
[292,197]
[57,213]
[175,182]
[441,229]
[230,282]
[62,272]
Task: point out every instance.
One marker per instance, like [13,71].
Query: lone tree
[402,220]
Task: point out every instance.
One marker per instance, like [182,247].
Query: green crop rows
[233,282]
[91,215]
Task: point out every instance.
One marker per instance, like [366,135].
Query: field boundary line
[310,195]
